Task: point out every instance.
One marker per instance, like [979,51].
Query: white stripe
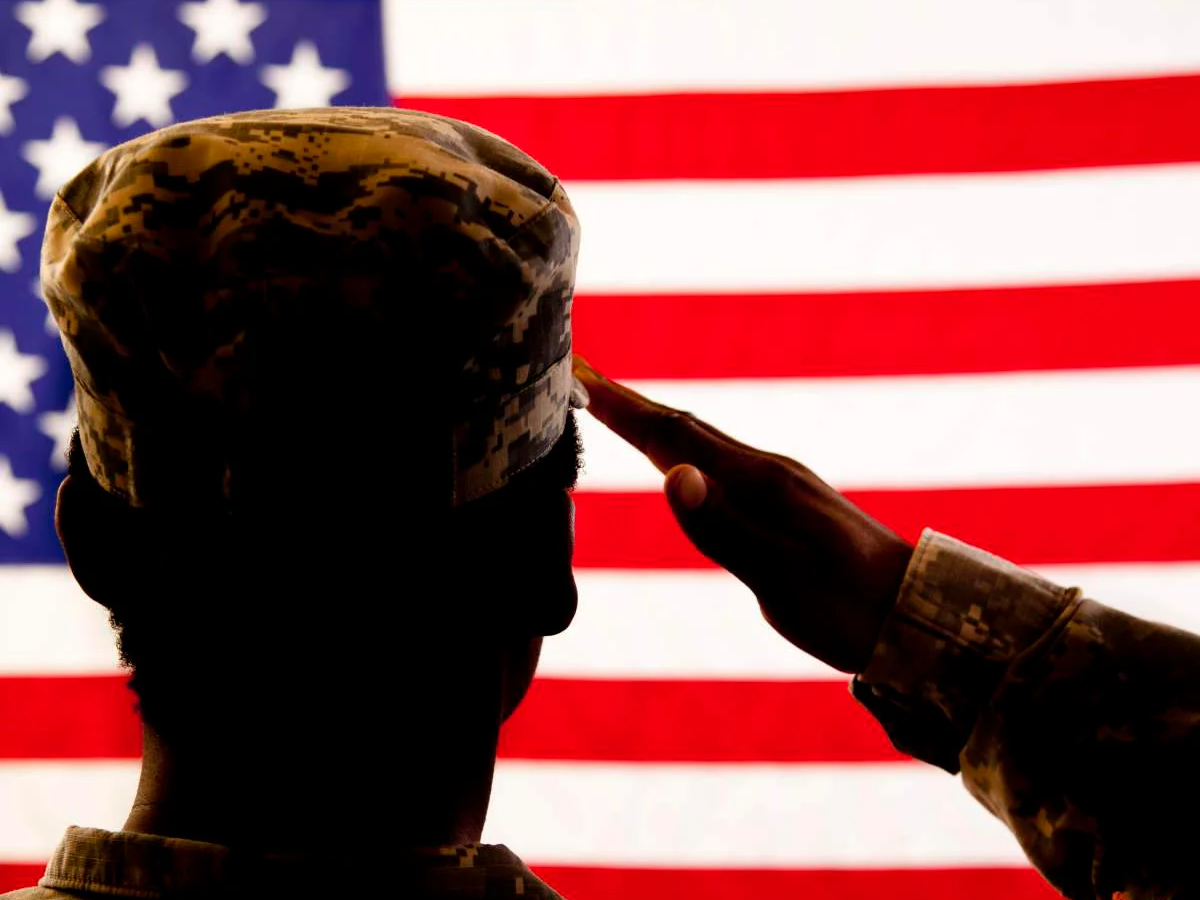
[51,626]
[630,624]
[672,625]
[866,814]
[706,625]
[802,815]
[1161,592]
[481,47]
[38,800]
[1085,225]
[1093,427]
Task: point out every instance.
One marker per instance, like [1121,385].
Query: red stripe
[684,721]
[890,333]
[845,133]
[1029,525]
[809,884]
[694,721]
[68,717]
[14,876]
[725,884]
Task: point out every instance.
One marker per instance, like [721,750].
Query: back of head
[322,364]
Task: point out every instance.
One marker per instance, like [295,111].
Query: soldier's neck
[287,803]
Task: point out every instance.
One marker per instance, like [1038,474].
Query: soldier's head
[323,373]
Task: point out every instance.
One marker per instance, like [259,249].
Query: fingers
[667,436]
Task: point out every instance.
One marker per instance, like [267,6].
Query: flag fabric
[944,253]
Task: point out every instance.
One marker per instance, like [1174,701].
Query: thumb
[701,509]
[686,488]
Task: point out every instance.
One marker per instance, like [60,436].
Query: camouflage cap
[179,265]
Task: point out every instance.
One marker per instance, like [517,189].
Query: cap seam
[499,480]
[545,208]
[87,390]
[67,206]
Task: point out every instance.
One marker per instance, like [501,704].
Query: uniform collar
[128,864]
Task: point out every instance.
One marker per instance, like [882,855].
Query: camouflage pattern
[1075,724]
[91,862]
[180,265]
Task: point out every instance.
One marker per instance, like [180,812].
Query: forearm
[1075,724]
[961,619]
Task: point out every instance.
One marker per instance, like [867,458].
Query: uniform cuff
[961,618]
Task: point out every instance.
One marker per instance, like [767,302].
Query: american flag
[946,253]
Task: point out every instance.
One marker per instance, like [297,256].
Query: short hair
[188,651]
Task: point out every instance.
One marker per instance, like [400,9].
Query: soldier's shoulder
[35,893]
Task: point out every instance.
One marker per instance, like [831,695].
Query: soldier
[323,370]
[1076,725]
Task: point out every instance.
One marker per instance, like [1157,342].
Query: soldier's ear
[98,541]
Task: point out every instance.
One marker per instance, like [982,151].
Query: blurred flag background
[944,252]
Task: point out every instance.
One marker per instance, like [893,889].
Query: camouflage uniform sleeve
[1078,726]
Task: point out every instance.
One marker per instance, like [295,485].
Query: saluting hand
[824,572]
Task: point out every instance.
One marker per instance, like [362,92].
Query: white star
[18,372]
[304,81]
[222,26]
[59,426]
[143,90]
[14,226]
[61,157]
[59,26]
[11,90]
[15,494]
